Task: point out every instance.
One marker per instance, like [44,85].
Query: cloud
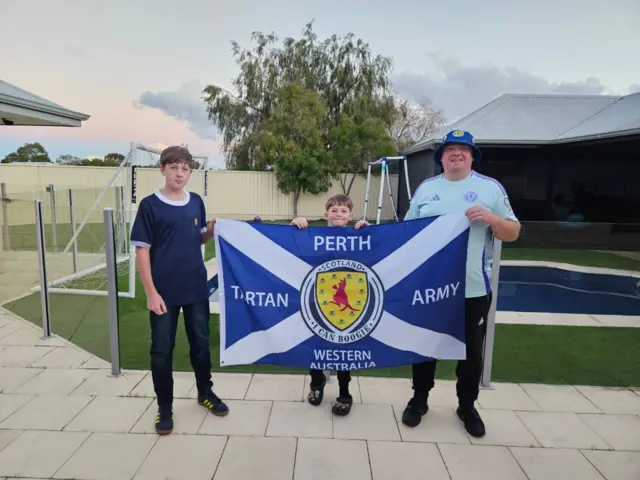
[460,89]
[635,88]
[185,105]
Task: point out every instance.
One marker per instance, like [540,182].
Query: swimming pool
[545,289]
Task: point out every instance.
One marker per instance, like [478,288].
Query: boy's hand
[211,224]
[156,304]
[361,223]
[300,222]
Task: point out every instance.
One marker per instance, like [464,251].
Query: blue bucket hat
[457,136]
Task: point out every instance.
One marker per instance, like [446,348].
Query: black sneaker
[164,421]
[416,408]
[472,421]
[213,403]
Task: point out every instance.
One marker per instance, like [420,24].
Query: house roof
[21,108]
[544,119]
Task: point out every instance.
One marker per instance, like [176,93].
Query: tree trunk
[296,197]
[353,178]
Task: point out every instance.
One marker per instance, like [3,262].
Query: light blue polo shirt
[439,196]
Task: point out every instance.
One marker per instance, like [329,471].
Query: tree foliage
[414,122]
[354,144]
[291,141]
[109,160]
[29,152]
[346,76]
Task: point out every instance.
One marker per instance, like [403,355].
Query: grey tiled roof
[545,119]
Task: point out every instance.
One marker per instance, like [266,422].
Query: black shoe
[164,421]
[213,403]
[416,408]
[472,421]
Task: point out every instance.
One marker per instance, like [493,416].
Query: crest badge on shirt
[195,221]
[471,197]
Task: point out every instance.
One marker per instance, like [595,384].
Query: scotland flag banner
[333,298]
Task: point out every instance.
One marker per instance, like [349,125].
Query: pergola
[21,108]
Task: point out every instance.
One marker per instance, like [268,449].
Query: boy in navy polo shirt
[168,232]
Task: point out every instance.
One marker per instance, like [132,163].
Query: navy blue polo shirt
[171,230]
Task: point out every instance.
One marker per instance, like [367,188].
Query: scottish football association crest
[341,301]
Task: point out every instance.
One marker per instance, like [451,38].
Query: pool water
[543,289]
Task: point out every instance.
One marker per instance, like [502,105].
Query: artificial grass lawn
[523,353]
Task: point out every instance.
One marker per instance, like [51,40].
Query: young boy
[338,213]
[168,232]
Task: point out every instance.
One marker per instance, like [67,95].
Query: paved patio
[62,416]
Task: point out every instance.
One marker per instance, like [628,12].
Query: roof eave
[597,136]
[38,107]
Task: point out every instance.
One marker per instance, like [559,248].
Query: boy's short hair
[339,200]
[176,154]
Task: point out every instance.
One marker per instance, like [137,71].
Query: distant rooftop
[543,119]
[21,108]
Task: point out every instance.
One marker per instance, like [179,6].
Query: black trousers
[317,377]
[468,371]
[163,341]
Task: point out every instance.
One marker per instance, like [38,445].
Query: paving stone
[548,463]
[102,383]
[622,432]
[506,396]
[615,465]
[108,456]
[367,422]
[39,453]
[62,358]
[406,461]
[178,457]
[559,398]
[244,418]
[613,400]
[12,356]
[8,436]
[387,391]
[298,419]
[46,412]
[561,430]
[12,378]
[110,414]
[480,462]
[12,403]
[55,382]
[276,387]
[270,459]
[321,459]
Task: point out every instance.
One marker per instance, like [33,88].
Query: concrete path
[62,416]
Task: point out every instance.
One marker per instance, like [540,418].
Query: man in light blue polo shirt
[486,203]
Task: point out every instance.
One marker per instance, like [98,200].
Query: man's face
[177,174]
[457,158]
[338,215]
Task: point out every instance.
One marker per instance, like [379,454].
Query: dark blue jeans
[163,341]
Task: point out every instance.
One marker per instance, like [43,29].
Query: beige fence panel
[231,194]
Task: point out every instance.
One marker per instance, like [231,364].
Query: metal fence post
[487,357]
[42,266]
[72,219]
[52,199]
[6,243]
[112,288]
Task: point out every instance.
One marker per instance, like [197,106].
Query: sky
[138,67]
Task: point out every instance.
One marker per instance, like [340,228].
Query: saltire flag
[333,298]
